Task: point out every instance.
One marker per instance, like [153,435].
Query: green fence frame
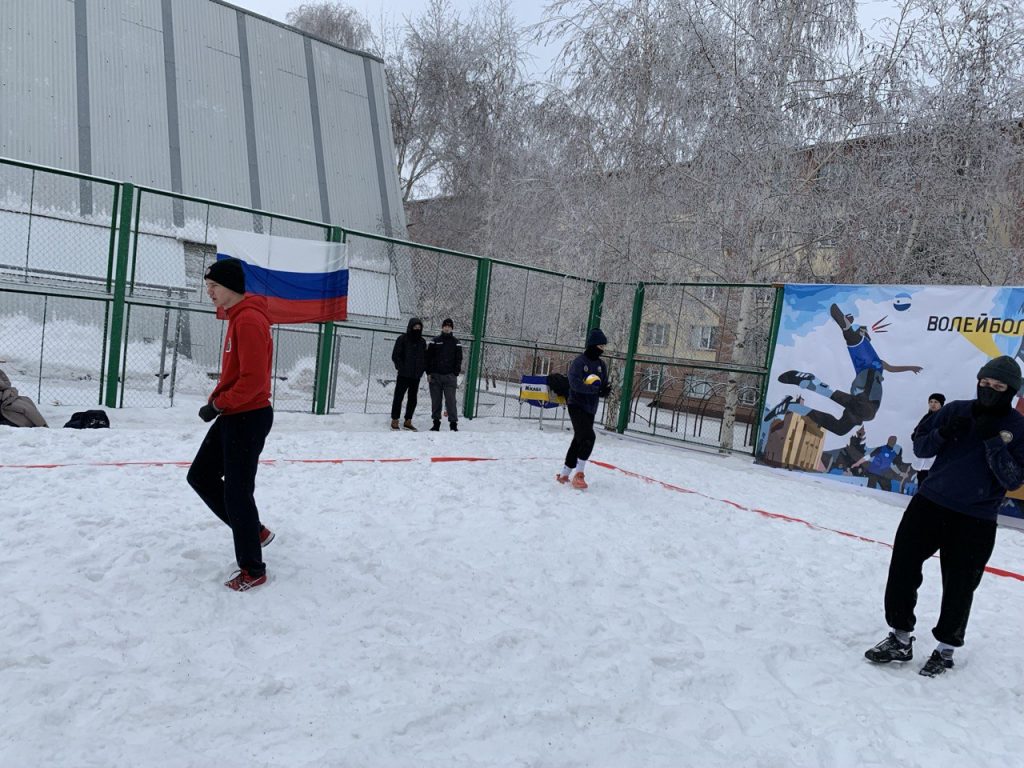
[124,237]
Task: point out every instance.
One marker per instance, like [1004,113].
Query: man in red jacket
[223,472]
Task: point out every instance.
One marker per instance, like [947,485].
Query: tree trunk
[739,356]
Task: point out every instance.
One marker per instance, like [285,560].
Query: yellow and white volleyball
[592,379]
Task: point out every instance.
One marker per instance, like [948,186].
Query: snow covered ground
[470,613]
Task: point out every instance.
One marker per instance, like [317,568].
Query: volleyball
[591,379]
[902,302]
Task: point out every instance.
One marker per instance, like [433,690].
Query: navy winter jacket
[581,395]
[971,475]
[444,354]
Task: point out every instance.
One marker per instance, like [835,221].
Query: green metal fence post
[483,285]
[596,305]
[769,359]
[116,341]
[626,394]
[325,351]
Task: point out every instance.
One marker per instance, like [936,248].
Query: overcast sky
[526,11]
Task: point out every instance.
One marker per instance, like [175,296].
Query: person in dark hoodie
[935,402]
[409,357]
[444,364]
[588,381]
[978,447]
[223,472]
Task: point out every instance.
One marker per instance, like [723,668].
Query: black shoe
[795,377]
[838,316]
[936,664]
[436,427]
[779,409]
[454,426]
[890,649]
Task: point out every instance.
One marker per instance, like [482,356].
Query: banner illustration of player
[894,345]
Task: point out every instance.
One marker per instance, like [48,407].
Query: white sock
[945,649]
[581,465]
[565,471]
[902,635]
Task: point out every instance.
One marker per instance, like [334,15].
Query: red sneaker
[266,536]
[243,582]
[579,482]
[563,479]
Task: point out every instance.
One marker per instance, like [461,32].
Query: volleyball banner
[854,366]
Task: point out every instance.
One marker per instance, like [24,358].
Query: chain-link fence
[102,300]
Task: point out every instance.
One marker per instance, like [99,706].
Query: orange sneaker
[243,582]
[563,479]
[579,482]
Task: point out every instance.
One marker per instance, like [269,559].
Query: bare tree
[336,22]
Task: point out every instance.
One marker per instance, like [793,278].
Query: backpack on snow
[88,420]
[559,384]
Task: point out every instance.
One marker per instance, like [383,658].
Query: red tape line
[784,518]
[441,459]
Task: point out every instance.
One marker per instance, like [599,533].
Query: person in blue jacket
[862,402]
[881,463]
[582,406]
[978,447]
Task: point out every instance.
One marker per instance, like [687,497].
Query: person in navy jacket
[444,364]
[582,406]
[978,447]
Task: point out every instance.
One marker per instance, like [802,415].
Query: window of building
[655,334]
[651,380]
[709,292]
[748,396]
[705,336]
[697,386]
[543,366]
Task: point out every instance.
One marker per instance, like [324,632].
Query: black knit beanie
[1004,369]
[448,323]
[229,273]
[938,396]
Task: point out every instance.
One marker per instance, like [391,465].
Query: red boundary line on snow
[443,459]
[778,516]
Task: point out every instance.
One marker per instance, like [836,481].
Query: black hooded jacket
[444,354]
[410,352]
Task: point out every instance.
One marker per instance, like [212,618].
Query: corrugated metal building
[202,98]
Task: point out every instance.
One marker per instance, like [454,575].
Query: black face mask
[415,332]
[991,400]
[593,352]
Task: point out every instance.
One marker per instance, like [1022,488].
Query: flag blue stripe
[294,285]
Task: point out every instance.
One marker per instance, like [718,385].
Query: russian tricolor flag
[304,281]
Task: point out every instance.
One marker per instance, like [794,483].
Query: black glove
[956,426]
[209,412]
[605,390]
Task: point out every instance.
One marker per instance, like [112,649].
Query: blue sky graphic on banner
[860,362]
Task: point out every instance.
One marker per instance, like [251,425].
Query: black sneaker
[936,664]
[795,377]
[436,427]
[837,314]
[890,649]
[454,426]
[779,409]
